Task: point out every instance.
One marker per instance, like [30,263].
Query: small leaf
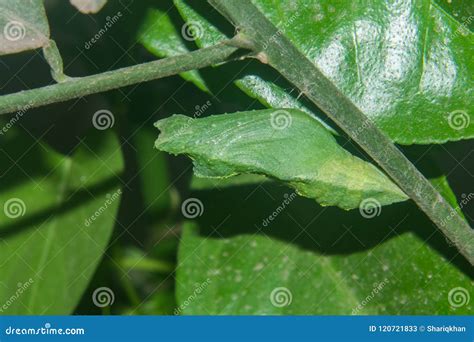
[88,6]
[57,215]
[55,61]
[23,26]
[407,65]
[288,145]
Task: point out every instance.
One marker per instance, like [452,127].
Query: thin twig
[82,86]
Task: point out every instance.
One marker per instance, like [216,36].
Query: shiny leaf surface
[288,145]
[408,65]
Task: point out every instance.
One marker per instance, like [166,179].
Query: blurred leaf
[136,260]
[288,145]
[152,173]
[23,26]
[314,260]
[160,36]
[441,184]
[407,65]
[160,303]
[58,214]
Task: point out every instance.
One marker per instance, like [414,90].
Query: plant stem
[278,51]
[82,86]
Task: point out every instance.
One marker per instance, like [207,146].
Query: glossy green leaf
[314,260]
[408,65]
[23,26]
[57,216]
[288,145]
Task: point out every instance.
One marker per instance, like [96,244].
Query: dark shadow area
[77,199]
[240,210]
